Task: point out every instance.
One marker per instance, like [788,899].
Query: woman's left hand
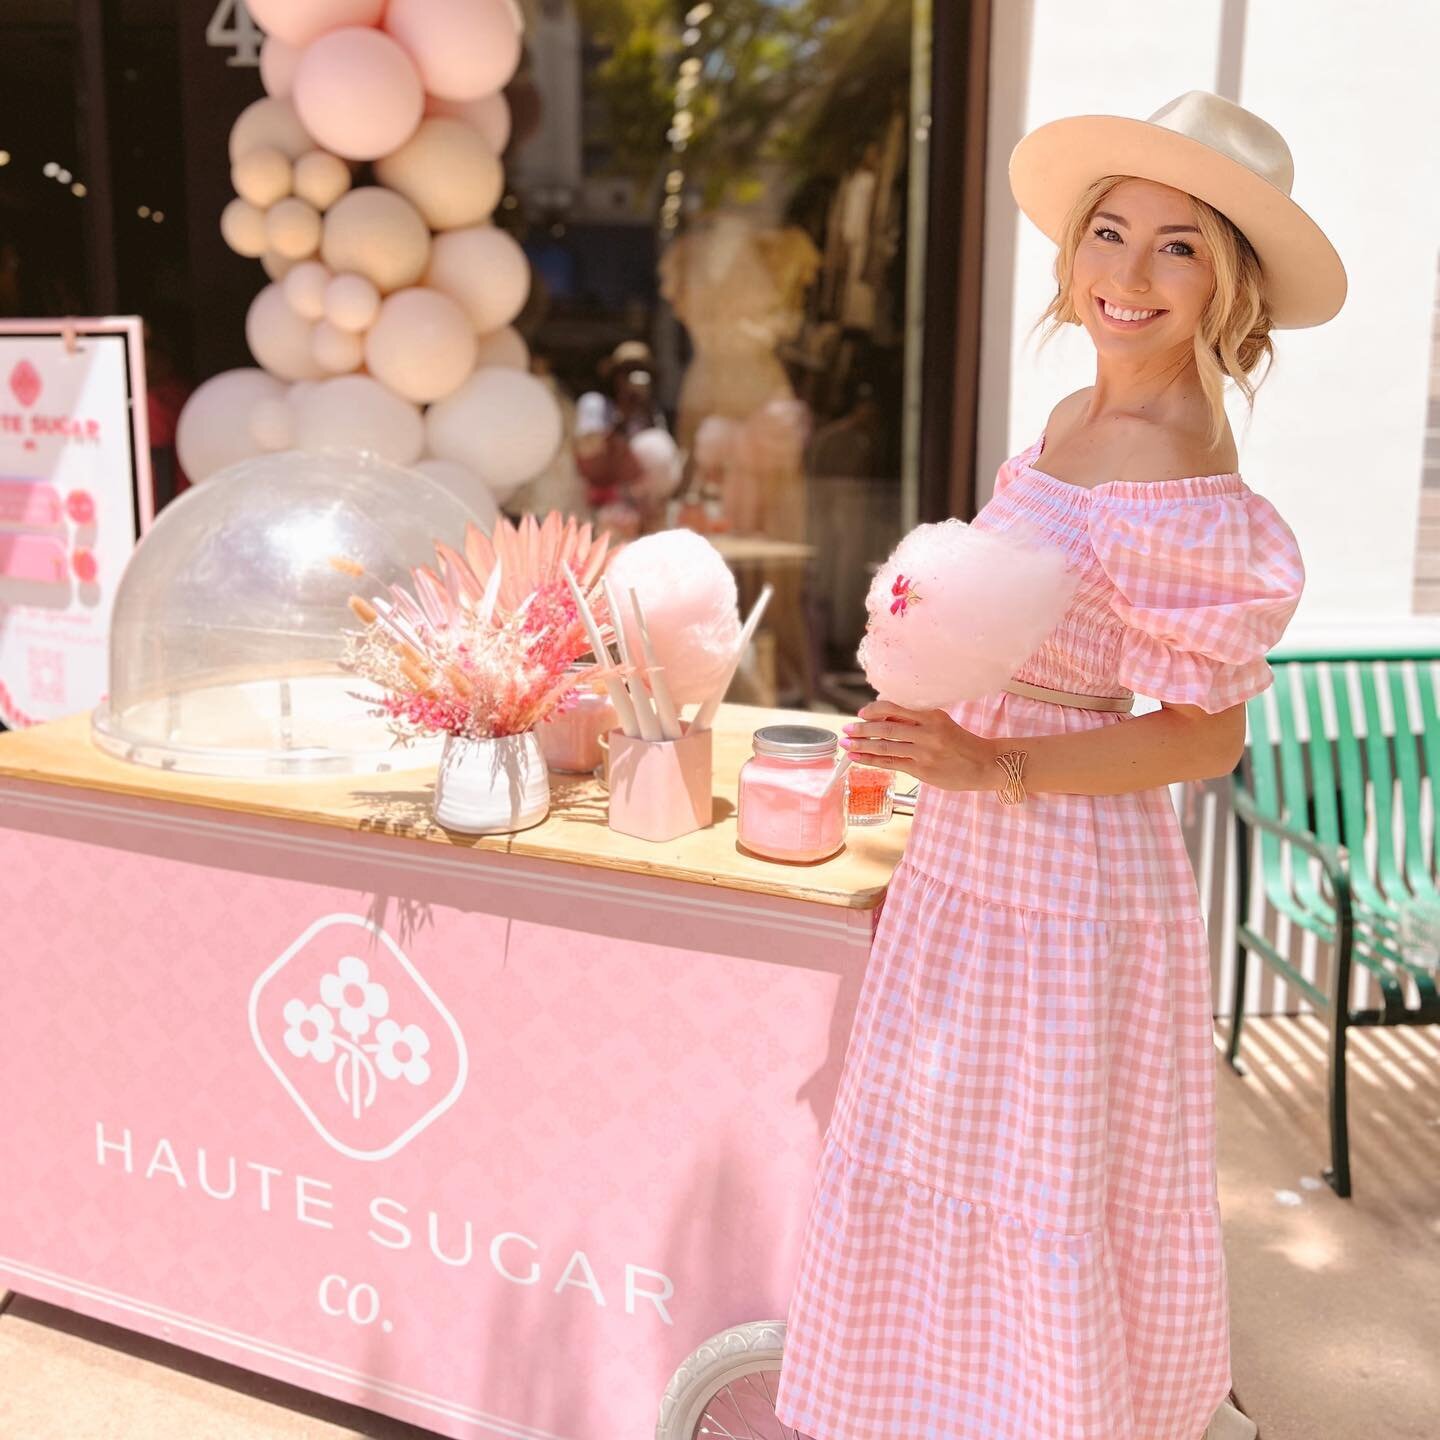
[927,744]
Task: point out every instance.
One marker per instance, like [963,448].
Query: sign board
[75,496]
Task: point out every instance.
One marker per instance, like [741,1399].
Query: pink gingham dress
[1014,1233]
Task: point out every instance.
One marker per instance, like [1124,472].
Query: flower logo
[904,592]
[25,383]
[392,1056]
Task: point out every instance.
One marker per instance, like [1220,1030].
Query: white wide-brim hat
[1210,148]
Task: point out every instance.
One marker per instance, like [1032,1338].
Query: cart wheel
[726,1387]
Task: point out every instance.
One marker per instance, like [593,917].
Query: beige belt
[1121,703]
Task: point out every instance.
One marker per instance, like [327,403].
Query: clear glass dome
[228,626]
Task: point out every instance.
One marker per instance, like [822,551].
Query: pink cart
[505,1137]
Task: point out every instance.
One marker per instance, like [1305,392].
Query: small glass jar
[792,803]
[869,795]
[570,742]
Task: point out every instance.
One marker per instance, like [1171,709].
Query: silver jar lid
[795,742]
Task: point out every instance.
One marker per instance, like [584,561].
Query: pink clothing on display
[1014,1232]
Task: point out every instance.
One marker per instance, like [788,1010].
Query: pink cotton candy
[955,611]
[689,598]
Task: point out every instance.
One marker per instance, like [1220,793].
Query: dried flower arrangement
[482,648]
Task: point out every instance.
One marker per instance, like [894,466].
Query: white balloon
[321,178]
[502,424]
[278,59]
[293,228]
[276,265]
[278,338]
[490,115]
[269,123]
[262,176]
[242,227]
[462,48]
[447,171]
[351,302]
[305,288]
[485,270]
[272,426]
[378,234]
[471,489]
[214,427]
[503,347]
[298,22]
[357,412]
[335,350]
[660,464]
[421,345]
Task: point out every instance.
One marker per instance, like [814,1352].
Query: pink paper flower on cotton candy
[955,611]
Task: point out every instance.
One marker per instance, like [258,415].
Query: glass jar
[869,795]
[792,803]
[570,742]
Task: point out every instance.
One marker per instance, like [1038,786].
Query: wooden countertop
[575,832]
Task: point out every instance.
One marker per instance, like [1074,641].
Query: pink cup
[660,789]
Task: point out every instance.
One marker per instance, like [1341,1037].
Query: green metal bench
[1325,795]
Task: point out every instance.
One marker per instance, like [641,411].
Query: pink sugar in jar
[792,803]
[570,742]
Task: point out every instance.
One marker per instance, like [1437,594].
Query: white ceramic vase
[488,787]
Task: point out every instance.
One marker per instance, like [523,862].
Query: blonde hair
[1233,335]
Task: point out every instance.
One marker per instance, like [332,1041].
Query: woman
[1015,1232]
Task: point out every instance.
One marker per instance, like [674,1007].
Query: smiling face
[1143,253]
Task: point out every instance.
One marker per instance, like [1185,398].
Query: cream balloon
[358,412]
[293,228]
[242,227]
[447,171]
[490,115]
[278,338]
[468,486]
[269,123]
[378,234]
[277,66]
[276,265]
[304,289]
[298,22]
[421,345]
[358,94]
[485,270]
[351,303]
[462,48]
[214,427]
[336,351]
[503,347]
[321,178]
[262,176]
[272,425]
[502,424]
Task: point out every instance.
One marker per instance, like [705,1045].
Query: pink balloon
[462,48]
[490,115]
[277,66]
[298,22]
[358,94]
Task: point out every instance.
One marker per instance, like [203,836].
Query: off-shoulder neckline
[1228,483]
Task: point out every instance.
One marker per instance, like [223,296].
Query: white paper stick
[842,765]
[664,704]
[706,713]
[619,697]
[635,682]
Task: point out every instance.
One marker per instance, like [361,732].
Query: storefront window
[718,202]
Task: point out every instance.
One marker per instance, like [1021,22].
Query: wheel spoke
[752,1406]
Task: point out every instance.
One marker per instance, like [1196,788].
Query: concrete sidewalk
[1335,1304]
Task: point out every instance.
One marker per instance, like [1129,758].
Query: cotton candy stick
[619,697]
[639,695]
[706,713]
[664,704]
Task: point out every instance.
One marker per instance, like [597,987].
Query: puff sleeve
[1205,585]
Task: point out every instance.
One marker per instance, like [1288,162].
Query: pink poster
[75,496]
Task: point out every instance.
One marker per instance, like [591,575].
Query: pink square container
[660,789]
